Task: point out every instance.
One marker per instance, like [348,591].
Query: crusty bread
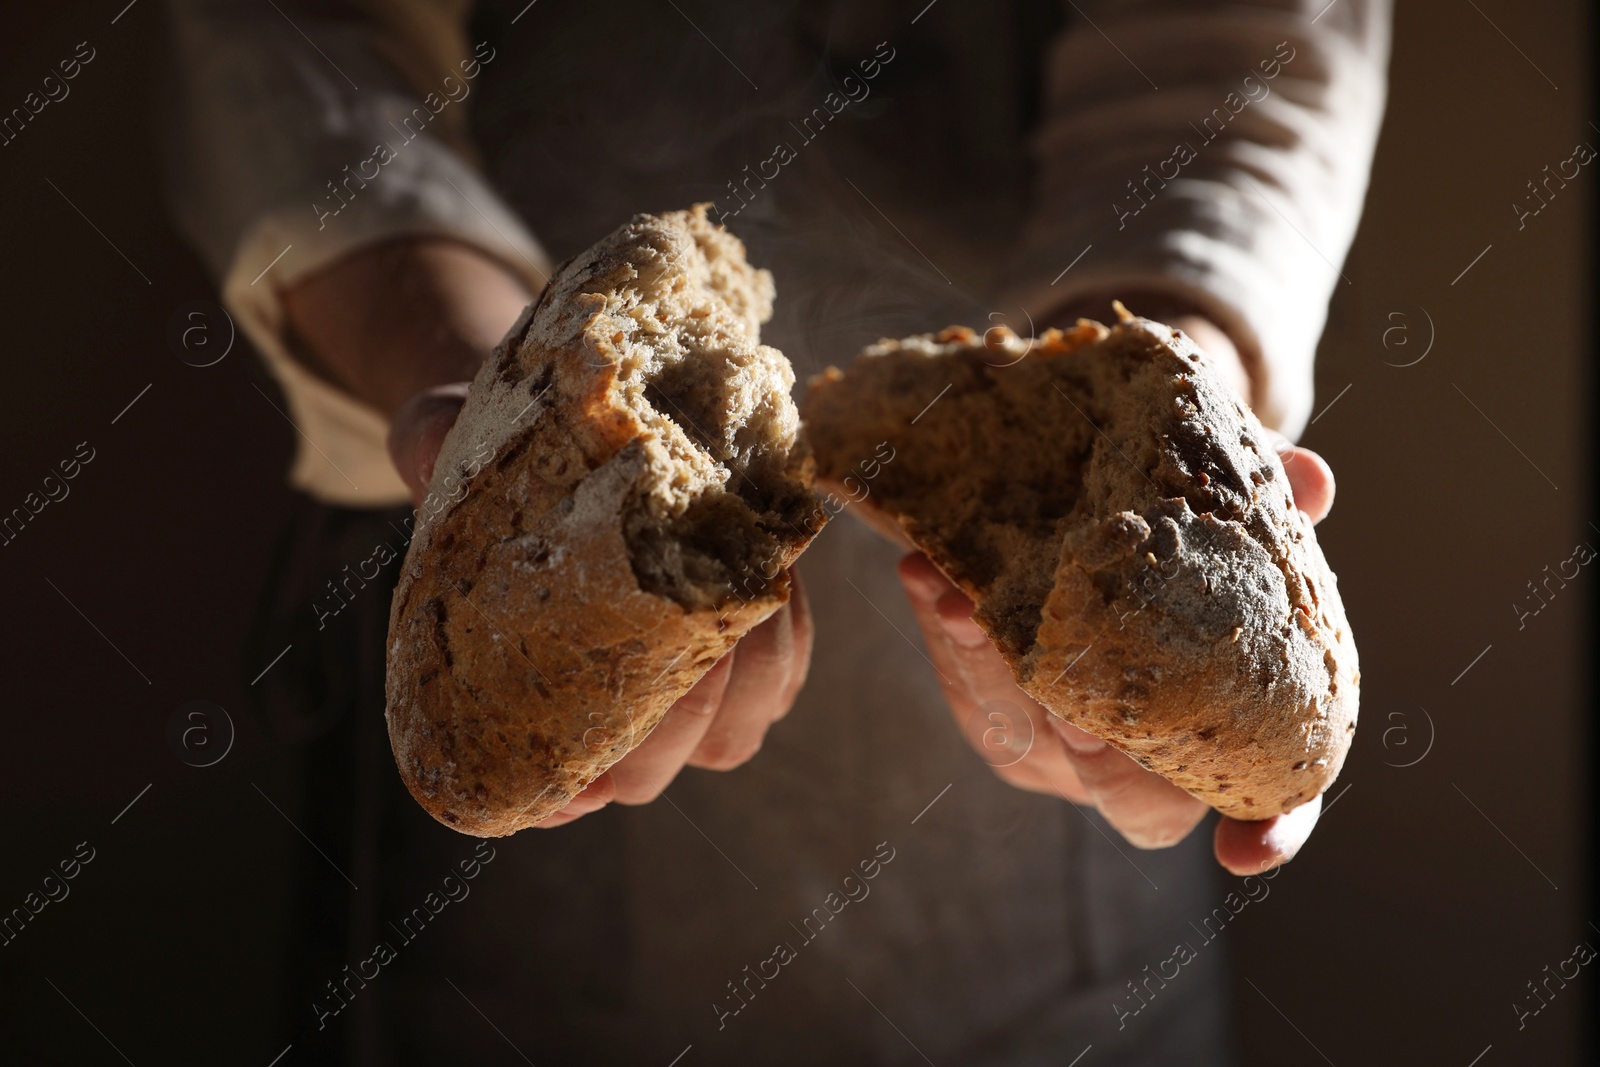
[1128,535]
[613,510]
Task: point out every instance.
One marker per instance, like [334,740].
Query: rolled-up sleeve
[297,139]
[1218,152]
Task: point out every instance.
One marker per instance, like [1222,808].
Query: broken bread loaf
[1127,533]
[613,510]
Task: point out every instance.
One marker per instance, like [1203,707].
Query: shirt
[897,170]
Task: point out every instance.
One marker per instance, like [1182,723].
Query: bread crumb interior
[724,501]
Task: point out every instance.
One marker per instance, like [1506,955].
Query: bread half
[614,509]
[1128,535]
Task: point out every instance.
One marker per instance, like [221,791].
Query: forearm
[395,318]
[304,140]
[1236,186]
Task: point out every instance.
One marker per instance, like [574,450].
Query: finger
[804,632]
[418,431]
[1004,725]
[1311,482]
[755,698]
[1252,847]
[642,774]
[1310,478]
[945,614]
[597,795]
[1010,730]
[924,587]
[1141,805]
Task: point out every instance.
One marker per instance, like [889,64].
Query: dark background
[1430,894]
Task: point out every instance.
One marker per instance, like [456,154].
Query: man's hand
[1032,749]
[720,723]
[717,725]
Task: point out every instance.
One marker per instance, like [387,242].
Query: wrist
[393,319]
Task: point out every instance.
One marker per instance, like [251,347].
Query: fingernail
[1289,832]
[955,615]
[920,579]
[1080,742]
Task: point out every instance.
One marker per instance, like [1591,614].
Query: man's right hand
[720,723]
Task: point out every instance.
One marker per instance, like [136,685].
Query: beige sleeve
[1218,151]
[289,155]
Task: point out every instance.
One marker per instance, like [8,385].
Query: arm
[375,306]
[1232,191]
[299,142]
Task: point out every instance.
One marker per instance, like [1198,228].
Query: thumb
[1310,478]
[418,431]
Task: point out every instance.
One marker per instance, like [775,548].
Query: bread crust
[1189,617]
[525,658]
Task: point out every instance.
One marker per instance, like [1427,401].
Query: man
[367,180]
